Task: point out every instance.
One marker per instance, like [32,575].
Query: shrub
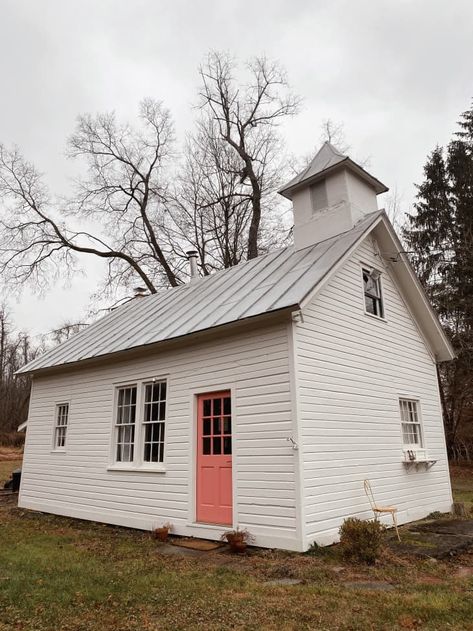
[360,539]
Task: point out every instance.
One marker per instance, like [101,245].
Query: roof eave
[226,327]
[379,187]
[425,315]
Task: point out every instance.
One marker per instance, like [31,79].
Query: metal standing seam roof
[263,285]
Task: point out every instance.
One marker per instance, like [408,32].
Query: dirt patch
[463,527]
[435,539]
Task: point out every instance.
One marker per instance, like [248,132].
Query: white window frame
[409,407]
[366,268]
[138,462]
[127,444]
[61,427]
[159,424]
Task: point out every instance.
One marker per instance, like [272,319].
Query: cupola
[330,196]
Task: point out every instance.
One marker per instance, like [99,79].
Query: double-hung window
[372,292]
[60,427]
[153,422]
[411,425]
[140,418]
[125,423]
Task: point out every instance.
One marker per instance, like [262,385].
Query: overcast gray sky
[397,73]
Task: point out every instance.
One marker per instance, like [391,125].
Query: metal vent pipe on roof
[192,258]
[139,292]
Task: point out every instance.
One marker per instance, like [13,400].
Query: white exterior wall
[253,364]
[351,369]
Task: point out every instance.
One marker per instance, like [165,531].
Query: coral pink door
[214,458]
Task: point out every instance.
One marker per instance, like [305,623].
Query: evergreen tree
[440,239]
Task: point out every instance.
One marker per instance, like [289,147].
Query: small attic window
[318,196]
[372,292]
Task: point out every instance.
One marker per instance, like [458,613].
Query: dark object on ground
[14,483]
[439,539]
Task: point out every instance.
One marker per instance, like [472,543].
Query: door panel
[214,459]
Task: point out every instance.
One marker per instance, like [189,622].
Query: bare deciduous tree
[126,210]
[120,197]
[246,119]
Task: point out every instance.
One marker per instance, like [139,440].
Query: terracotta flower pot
[161,534]
[238,546]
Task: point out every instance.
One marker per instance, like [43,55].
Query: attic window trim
[373,295]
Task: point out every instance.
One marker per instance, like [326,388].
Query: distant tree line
[15,350]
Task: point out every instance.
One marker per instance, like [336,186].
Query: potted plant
[237,539]
[161,533]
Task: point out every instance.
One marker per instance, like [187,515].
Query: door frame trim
[194,393]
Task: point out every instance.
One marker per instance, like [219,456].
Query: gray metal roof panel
[268,283]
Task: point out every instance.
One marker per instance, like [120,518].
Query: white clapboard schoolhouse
[261,396]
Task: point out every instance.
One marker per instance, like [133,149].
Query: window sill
[375,317]
[160,468]
[58,451]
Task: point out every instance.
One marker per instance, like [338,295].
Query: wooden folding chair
[379,510]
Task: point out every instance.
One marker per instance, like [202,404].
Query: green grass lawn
[67,575]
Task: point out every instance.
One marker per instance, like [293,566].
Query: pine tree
[440,240]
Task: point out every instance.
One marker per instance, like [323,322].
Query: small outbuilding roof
[269,283]
[328,159]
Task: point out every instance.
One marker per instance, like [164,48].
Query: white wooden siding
[254,365]
[351,370]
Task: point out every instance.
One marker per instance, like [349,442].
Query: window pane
[206,427]
[217,407]
[227,445]
[206,407]
[227,405]
[227,425]
[217,446]
[154,407]
[162,411]
[370,305]
[217,426]
[163,391]
[206,446]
